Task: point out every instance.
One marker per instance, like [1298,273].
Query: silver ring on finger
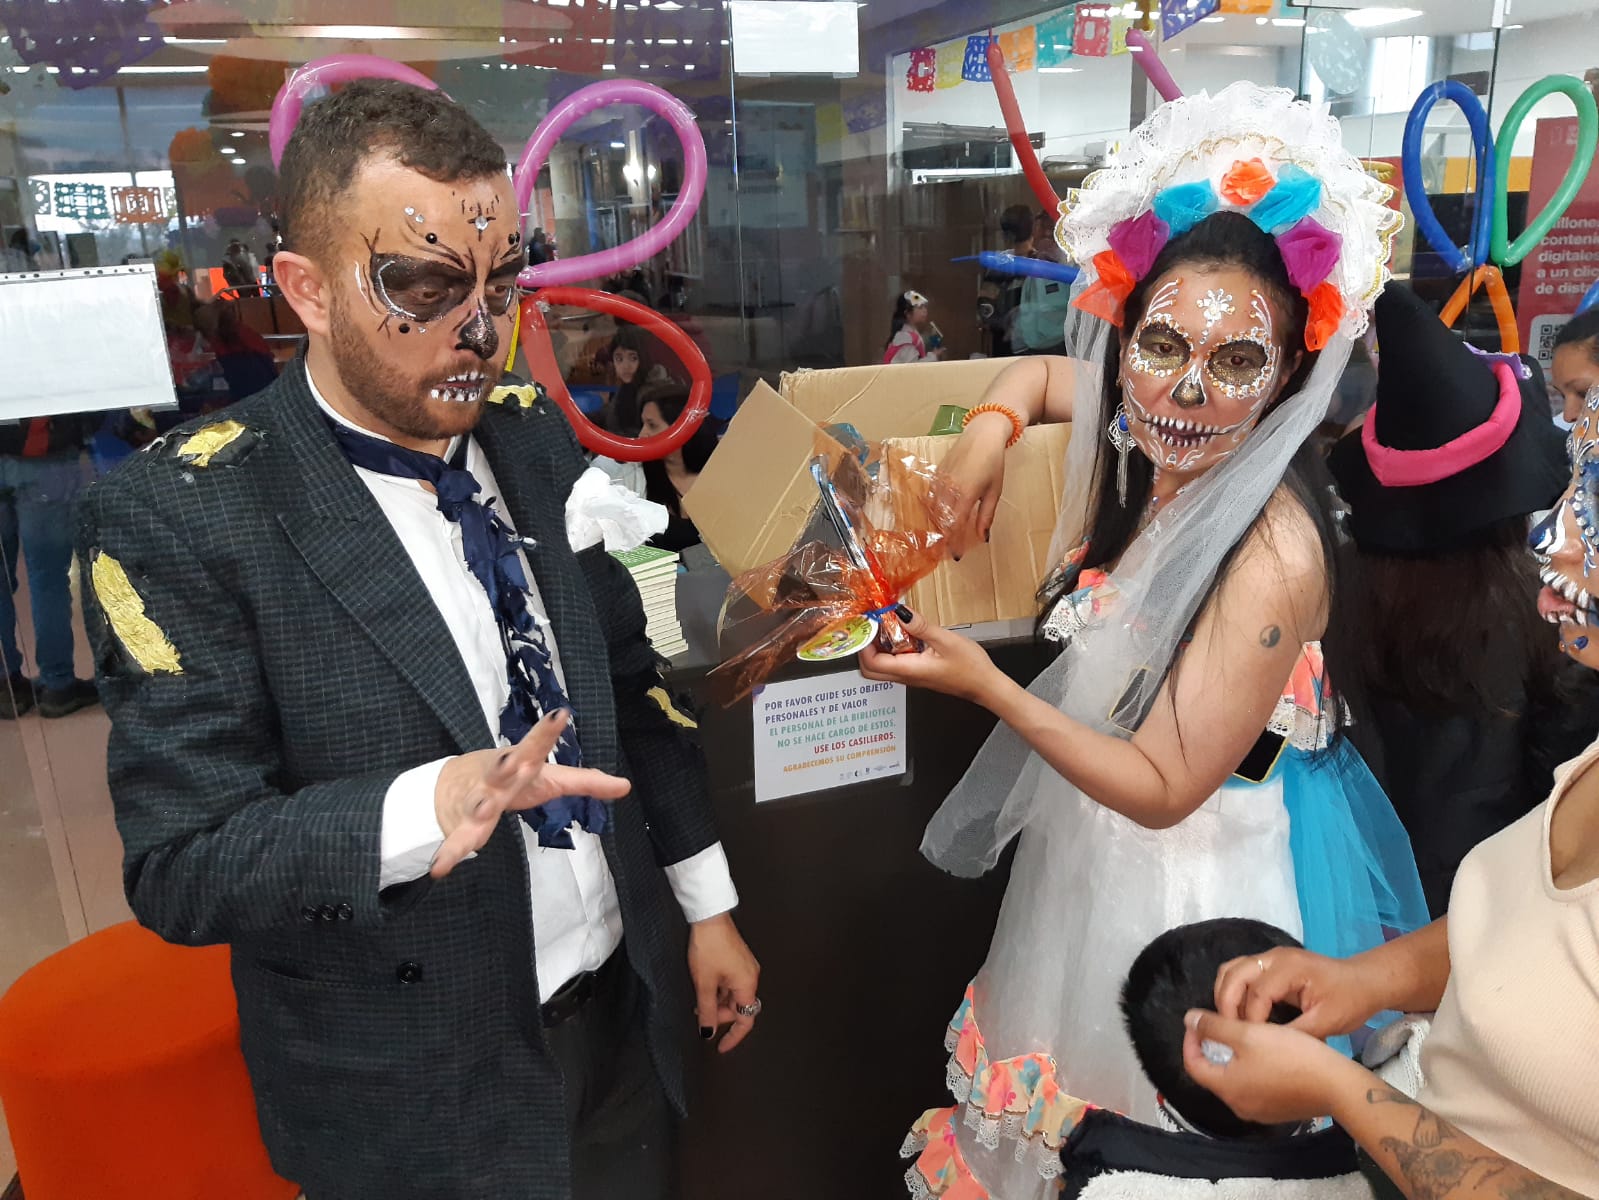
[751,1010]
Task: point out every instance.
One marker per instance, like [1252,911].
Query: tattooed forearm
[1436,1161]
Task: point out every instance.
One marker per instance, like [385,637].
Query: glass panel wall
[138,132]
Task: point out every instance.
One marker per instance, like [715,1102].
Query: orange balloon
[1504,313]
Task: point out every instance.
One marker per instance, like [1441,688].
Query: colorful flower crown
[1252,150]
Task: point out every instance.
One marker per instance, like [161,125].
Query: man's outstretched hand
[476,789]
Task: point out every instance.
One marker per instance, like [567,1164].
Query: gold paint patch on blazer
[141,638]
[224,442]
[673,713]
[517,396]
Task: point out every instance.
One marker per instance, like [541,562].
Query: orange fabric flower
[1246,182]
[1107,296]
[1326,314]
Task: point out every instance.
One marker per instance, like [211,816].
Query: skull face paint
[421,308]
[429,286]
[1566,542]
[1199,368]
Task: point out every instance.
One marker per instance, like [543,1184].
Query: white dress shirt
[577,919]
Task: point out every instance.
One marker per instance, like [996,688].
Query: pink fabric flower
[1310,251]
[1139,241]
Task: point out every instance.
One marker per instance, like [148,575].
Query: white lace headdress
[1281,162]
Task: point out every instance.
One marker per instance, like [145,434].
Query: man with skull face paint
[376,725]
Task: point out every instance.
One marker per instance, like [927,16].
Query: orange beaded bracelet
[1018,426]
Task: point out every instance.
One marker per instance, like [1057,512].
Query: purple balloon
[562,117]
[325,72]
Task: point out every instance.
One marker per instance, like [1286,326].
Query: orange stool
[121,1076]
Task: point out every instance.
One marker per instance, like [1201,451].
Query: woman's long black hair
[1434,620]
[1224,239]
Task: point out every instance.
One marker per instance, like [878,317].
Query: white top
[577,918]
[1514,1049]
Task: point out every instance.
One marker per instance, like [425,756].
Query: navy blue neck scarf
[491,554]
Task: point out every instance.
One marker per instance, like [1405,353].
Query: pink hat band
[1417,468]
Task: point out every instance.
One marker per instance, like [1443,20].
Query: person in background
[239,267]
[1040,323]
[632,364]
[243,354]
[1000,295]
[1200,1146]
[1575,368]
[41,474]
[667,480]
[538,249]
[22,253]
[1464,723]
[912,337]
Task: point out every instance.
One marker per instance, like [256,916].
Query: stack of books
[655,573]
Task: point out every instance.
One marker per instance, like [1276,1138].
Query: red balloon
[540,352]
[1043,190]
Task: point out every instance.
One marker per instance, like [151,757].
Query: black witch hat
[1457,441]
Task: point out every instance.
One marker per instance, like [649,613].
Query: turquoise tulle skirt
[1353,867]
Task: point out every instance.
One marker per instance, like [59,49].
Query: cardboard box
[755,497]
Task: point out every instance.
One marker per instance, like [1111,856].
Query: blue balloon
[1589,298]
[1482,144]
[1006,263]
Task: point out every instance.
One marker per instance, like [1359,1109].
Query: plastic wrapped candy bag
[883,522]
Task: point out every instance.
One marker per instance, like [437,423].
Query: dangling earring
[1121,437]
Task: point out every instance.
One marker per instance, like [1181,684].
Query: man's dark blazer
[393,1039]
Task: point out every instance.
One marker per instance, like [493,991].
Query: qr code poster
[1544,331]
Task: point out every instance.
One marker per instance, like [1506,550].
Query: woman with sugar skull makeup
[1230,254]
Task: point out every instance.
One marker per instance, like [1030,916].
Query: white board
[826,731]
[82,341]
[795,37]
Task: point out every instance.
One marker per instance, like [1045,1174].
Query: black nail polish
[904,614]
[707,1032]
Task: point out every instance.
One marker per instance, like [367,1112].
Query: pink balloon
[561,118]
[1138,41]
[325,72]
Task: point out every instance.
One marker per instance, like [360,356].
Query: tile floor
[60,857]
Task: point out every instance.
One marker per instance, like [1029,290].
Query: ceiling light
[1288,22]
[1260,20]
[163,70]
[1059,70]
[1374,18]
[618,145]
[1210,20]
[238,133]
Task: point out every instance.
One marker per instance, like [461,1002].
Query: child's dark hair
[1175,973]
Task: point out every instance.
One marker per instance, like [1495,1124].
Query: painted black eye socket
[422,291]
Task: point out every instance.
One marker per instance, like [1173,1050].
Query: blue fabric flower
[1296,196]
[1185,205]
